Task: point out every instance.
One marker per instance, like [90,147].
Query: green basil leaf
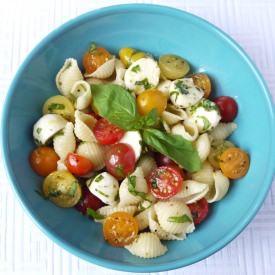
[116,105]
[175,147]
[92,213]
[180,219]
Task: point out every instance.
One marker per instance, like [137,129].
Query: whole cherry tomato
[44,160]
[120,160]
[199,210]
[228,108]
[79,165]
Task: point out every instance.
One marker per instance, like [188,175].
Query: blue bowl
[157,30]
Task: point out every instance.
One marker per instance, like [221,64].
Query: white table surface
[24,249]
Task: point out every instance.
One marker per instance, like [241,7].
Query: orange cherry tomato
[120,229]
[43,160]
[202,81]
[94,58]
[151,99]
[234,163]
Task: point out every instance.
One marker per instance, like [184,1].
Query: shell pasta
[144,141]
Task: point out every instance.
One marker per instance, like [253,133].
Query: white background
[24,249]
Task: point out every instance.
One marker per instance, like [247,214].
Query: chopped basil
[55,194]
[136,69]
[101,193]
[145,83]
[182,87]
[206,123]
[119,171]
[72,189]
[181,219]
[56,106]
[38,130]
[99,178]
[92,213]
[132,186]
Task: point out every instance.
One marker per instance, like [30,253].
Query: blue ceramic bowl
[157,30]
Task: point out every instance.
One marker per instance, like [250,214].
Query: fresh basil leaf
[132,187]
[119,107]
[175,147]
[180,219]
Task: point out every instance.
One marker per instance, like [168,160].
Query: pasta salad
[137,144]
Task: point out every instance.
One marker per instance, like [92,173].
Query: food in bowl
[138,145]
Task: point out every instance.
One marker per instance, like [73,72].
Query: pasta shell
[65,141]
[147,245]
[139,185]
[142,219]
[173,208]
[173,115]
[203,146]
[67,76]
[84,124]
[220,187]
[120,72]
[204,175]
[61,165]
[164,86]
[223,130]
[105,70]
[192,191]
[93,80]
[147,163]
[187,130]
[82,95]
[94,152]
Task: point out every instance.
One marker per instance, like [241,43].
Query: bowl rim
[107,11]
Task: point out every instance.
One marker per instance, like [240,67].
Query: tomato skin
[163,160]
[94,58]
[78,165]
[199,210]
[202,81]
[150,99]
[120,229]
[88,200]
[120,160]
[234,163]
[44,160]
[228,108]
[107,133]
[165,181]
[129,55]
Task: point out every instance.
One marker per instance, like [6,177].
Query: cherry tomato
[173,66]
[150,99]
[106,132]
[94,58]
[228,108]
[129,55]
[202,81]
[44,160]
[199,210]
[163,160]
[78,165]
[165,182]
[120,229]
[234,163]
[62,188]
[120,160]
[88,200]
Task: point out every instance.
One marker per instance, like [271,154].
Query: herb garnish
[181,219]
[56,106]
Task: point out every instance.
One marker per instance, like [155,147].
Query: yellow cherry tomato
[129,55]
[202,81]
[151,99]
[173,66]
[234,163]
[62,188]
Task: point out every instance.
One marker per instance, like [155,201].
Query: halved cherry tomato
[120,160]
[44,160]
[234,163]
[165,182]
[202,81]
[88,200]
[94,58]
[106,132]
[150,99]
[228,108]
[199,210]
[129,55]
[79,165]
[120,229]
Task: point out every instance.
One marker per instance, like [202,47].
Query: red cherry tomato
[78,165]
[165,182]
[44,160]
[199,210]
[120,160]
[88,200]
[228,108]
[163,160]
[106,132]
